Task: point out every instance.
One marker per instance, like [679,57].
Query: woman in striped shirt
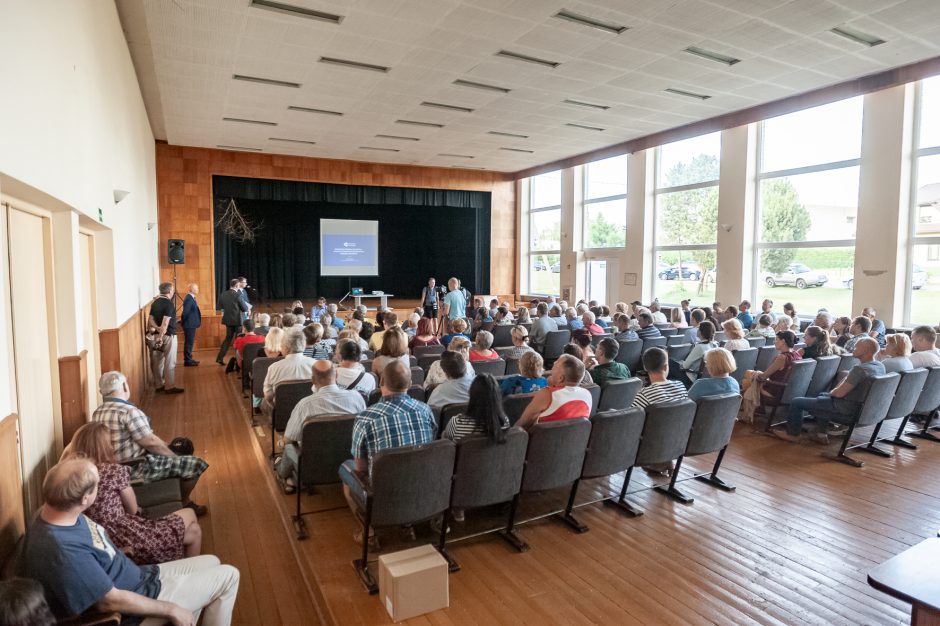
[485,414]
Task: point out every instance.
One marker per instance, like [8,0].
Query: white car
[918,278]
[797,275]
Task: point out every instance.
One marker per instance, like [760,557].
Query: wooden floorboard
[792,545]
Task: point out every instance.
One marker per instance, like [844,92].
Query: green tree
[691,217]
[604,234]
[784,219]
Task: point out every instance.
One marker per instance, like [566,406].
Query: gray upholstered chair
[744,360]
[421,351]
[757,342]
[711,432]
[908,392]
[554,459]
[408,485]
[412,361]
[927,405]
[555,342]
[765,356]
[502,336]
[515,404]
[417,376]
[158,498]
[801,373]
[676,340]
[424,362]
[611,449]
[286,397]
[596,339]
[826,369]
[721,336]
[324,446]
[496,367]
[654,342]
[618,394]
[873,410]
[630,354]
[447,412]
[486,473]
[667,330]
[418,393]
[259,370]
[595,391]
[374,396]
[679,353]
[847,363]
[249,353]
[367,365]
[512,367]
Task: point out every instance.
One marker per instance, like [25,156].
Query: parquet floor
[792,545]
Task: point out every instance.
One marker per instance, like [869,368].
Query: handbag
[182,446]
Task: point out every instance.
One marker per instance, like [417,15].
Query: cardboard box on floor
[413,582]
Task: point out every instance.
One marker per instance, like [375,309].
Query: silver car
[797,275]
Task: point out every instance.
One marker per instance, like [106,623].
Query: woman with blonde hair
[147,541]
[277,320]
[817,343]
[522,316]
[352,330]
[458,328]
[734,334]
[719,363]
[529,378]
[272,342]
[896,354]
[436,375]
[394,348]
[677,318]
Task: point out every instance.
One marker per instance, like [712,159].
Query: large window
[924,266]
[544,215]
[605,203]
[687,220]
[807,207]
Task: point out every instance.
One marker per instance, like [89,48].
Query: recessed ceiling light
[416,123]
[857,36]
[712,56]
[265,81]
[398,137]
[516,56]
[584,126]
[244,121]
[590,105]
[469,83]
[607,27]
[379,149]
[449,107]
[310,110]
[455,156]
[291,140]
[469,167]
[518,150]
[225,147]
[687,94]
[354,64]
[502,134]
[290,9]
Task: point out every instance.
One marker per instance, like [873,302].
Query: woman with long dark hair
[484,414]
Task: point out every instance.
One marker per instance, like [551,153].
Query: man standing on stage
[233,307]
[243,296]
[191,319]
[455,303]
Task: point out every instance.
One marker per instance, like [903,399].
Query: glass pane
[928,196]
[930,113]
[597,280]
[689,161]
[546,189]
[810,278]
[605,178]
[605,224]
[824,134]
[687,217]
[545,274]
[810,207]
[545,230]
[925,285]
[685,275]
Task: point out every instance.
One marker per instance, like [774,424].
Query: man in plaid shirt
[135,442]
[394,421]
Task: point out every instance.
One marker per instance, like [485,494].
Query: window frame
[529,251]
[585,202]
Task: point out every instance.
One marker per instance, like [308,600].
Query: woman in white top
[693,363]
[735,334]
[349,373]
[784,322]
[394,348]
[436,376]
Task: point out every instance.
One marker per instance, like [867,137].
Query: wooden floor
[792,545]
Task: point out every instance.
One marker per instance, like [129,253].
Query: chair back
[417,376]
[374,396]
[614,441]
[618,394]
[677,340]
[721,336]
[512,367]
[367,365]
[324,447]
[412,361]
[880,394]
[713,423]
[765,356]
[680,352]
[496,367]
[654,342]
[514,405]
[908,392]
[630,354]
[448,411]
[595,391]
[596,339]
[555,342]
[826,369]
[847,363]
[801,373]
[527,326]
[744,360]
[555,454]
[667,331]
[488,473]
[286,397]
[929,399]
[421,351]
[417,392]
[412,483]
[665,432]
[502,336]
[259,370]
[424,362]
[249,353]
[662,327]
[756,342]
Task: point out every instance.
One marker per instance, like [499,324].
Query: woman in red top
[424,335]
[775,378]
[481,347]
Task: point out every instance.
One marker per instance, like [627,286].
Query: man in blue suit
[191,319]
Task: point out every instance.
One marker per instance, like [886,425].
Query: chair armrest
[159,492]
[362,480]
[92,617]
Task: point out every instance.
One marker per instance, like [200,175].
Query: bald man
[844,399]
[328,399]
[191,319]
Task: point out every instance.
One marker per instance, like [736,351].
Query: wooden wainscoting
[123,349]
[73,387]
[12,513]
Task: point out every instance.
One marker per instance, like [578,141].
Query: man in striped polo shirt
[563,399]
[660,390]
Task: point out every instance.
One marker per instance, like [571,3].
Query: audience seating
[654,342]
[757,342]
[873,410]
[421,351]
[502,336]
[595,397]
[631,354]
[324,447]
[515,404]
[412,361]
[801,373]
[668,330]
[711,432]
[744,360]
[447,412]
[425,361]
[927,406]
[249,353]
[618,394]
[847,363]
[417,376]
[409,484]
[417,392]
[286,397]
[826,369]
[596,339]
[259,370]
[905,399]
[679,353]
[367,365]
[512,367]
[555,343]
[721,336]
[495,367]
[677,340]
[765,356]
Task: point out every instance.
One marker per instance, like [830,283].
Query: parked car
[689,271]
[556,267]
[918,278]
[538,265]
[798,275]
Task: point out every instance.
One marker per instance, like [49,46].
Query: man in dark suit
[243,296]
[232,306]
[192,319]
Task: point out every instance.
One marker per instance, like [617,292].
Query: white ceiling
[186,52]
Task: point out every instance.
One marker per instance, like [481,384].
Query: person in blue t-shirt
[455,302]
[745,317]
[79,568]
[529,378]
[720,364]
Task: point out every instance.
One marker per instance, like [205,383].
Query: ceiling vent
[857,36]
[225,147]
[518,150]
[398,137]
[244,121]
[265,81]
[584,126]
[589,105]
[416,123]
[590,22]
[456,156]
[469,83]
[292,140]
[289,9]
[502,134]
[515,56]
[379,149]
[311,110]
[356,65]
[708,55]
[687,94]
[449,107]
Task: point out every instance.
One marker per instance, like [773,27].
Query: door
[90,317]
[597,280]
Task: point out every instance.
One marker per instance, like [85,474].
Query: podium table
[383,299]
[912,576]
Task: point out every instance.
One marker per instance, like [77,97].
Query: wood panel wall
[73,392]
[123,349]
[184,190]
[12,513]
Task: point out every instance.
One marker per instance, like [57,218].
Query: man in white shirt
[924,340]
[294,366]
[766,308]
[457,387]
[327,399]
[350,374]
[658,316]
[541,326]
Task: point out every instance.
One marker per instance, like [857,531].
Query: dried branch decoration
[238,227]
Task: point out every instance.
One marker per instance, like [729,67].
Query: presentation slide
[349,248]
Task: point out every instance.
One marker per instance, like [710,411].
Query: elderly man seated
[845,399]
[134,441]
[79,568]
[294,366]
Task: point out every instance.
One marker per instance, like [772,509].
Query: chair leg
[925,432]
[567,517]
[871,448]
[621,502]
[300,526]
[509,533]
[842,457]
[898,441]
[671,490]
[452,564]
[712,479]
[362,565]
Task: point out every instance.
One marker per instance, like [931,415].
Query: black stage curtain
[422,233]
